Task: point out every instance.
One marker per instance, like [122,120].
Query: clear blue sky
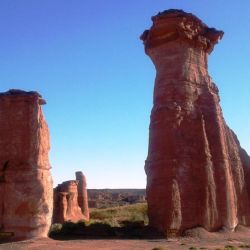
[86,59]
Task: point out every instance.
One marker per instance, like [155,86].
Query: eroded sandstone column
[82,194]
[26,192]
[71,200]
[196,169]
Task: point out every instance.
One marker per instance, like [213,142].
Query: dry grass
[118,216]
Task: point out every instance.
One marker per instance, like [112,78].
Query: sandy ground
[198,238]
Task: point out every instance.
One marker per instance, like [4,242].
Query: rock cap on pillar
[173,24]
[15,93]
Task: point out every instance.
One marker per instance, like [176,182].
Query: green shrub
[127,223]
[100,230]
[71,228]
[81,224]
[245,246]
[55,228]
[68,227]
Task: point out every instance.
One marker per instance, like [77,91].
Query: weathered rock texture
[197,173]
[26,191]
[71,200]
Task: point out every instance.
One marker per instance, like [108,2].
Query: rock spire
[197,173]
[71,200]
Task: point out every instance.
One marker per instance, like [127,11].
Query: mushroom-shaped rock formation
[71,200]
[197,173]
[26,190]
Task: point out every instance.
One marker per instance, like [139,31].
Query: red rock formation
[82,194]
[26,193]
[68,206]
[196,169]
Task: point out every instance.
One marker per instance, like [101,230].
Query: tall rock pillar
[82,194]
[26,191]
[196,169]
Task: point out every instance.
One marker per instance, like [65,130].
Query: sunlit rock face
[71,200]
[26,190]
[82,194]
[197,173]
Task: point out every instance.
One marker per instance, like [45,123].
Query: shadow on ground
[129,230]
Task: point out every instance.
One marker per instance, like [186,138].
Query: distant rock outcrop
[104,198]
[82,194]
[197,173]
[26,190]
[71,200]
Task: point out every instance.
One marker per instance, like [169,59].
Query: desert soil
[198,238]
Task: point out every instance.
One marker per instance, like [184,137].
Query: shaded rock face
[197,173]
[26,190]
[71,200]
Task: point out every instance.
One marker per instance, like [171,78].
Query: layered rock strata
[197,173]
[26,190]
[71,200]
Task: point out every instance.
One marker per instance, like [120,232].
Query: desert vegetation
[121,216]
[128,221]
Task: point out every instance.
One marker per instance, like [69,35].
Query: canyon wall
[197,173]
